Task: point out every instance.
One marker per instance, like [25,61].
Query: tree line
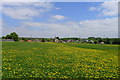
[12,35]
[15,37]
[105,40]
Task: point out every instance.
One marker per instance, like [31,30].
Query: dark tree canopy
[3,37]
[43,40]
[12,35]
[56,37]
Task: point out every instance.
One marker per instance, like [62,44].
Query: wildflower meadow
[59,60]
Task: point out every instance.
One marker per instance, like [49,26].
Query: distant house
[7,40]
[77,41]
[22,41]
[57,40]
[29,40]
[61,41]
[91,41]
[69,40]
[102,43]
[37,40]
[86,40]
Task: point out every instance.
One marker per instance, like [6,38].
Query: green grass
[59,60]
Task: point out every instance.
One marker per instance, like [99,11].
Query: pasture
[59,60]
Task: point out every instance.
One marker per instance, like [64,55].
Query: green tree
[107,41]
[43,40]
[91,38]
[56,37]
[14,36]
[3,37]
[99,39]
[8,37]
[25,39]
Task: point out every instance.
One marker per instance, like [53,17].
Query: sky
[62,19]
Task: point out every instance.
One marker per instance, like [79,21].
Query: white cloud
[58,17]
[92,8]
[97,28]
[1,27]
[21,0]
[57,8]
[57,0]
[107,9]
[104,27]
[25,10]
[110,8]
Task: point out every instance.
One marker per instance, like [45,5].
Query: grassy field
[59,60]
